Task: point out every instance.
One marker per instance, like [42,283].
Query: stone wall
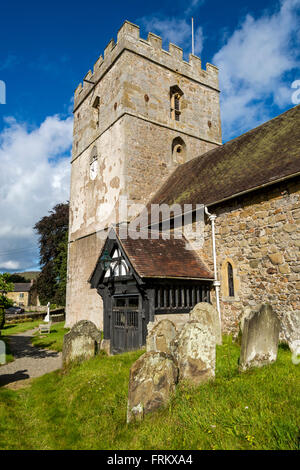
[259,234]
[83,303]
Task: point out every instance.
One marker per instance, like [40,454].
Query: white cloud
[254,63]
[9,265]
[177,31]
[194,4]
[34,176]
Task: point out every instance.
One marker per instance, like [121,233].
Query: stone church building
[147,130]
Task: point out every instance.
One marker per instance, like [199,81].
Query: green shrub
[5,302]
[2,317]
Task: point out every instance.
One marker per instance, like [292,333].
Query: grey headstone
[153,378]
[160,337]
[206,314]
[81,342]
[2,352]
[260,338]
[195,353]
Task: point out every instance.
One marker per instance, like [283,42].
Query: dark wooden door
[125,323]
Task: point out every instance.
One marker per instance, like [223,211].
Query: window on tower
[93,164]
[175,102]
[96,108]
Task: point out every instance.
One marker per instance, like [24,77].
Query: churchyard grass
[53,340]
[14,328]
[84,407]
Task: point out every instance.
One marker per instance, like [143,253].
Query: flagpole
[193,36]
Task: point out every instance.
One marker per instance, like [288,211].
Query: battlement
[128,38]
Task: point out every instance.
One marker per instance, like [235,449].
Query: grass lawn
[85,408]
[15,328]
[54,340]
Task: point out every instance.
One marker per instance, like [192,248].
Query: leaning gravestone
[260,338]
[206,314]
[160,337]
[195,353]
[152,378]
[81,343]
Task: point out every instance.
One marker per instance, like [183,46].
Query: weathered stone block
[276,258]
[195,353]
[81,343]
[153,378]
[160,337]
[260,338]
[207,315]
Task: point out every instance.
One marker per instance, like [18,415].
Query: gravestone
[81,342]
[260,338]
[105,346]
[2,352]
[160,336]
[206,314]
[290,328]
[195,353]
[153,378]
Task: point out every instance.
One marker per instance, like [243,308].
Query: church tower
[141,112]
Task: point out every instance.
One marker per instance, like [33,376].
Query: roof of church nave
[262,156]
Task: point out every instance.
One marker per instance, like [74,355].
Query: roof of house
[22,286]
[264,155]
[159,258]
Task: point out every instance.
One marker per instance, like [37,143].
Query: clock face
[93,169]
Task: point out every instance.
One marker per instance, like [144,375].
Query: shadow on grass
[6,379]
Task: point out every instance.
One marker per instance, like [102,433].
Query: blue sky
[47,48]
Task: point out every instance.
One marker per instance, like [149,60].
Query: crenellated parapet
[128,38]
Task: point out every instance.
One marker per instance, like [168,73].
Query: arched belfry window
[93,163]
[178,150]
[230,280]
[175,102]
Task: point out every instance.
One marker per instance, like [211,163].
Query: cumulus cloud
[34,176]
[256,67]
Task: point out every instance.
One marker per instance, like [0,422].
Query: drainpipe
[216,283]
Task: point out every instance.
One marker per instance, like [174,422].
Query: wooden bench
[45,327]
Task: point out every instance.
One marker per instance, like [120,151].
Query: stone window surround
[96,109]
[224,281]
[175,99]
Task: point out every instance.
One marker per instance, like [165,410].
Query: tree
[5,286]
[60,267]
[53,233]
[17,278]
[2,318]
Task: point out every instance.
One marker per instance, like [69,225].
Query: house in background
[24,294]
